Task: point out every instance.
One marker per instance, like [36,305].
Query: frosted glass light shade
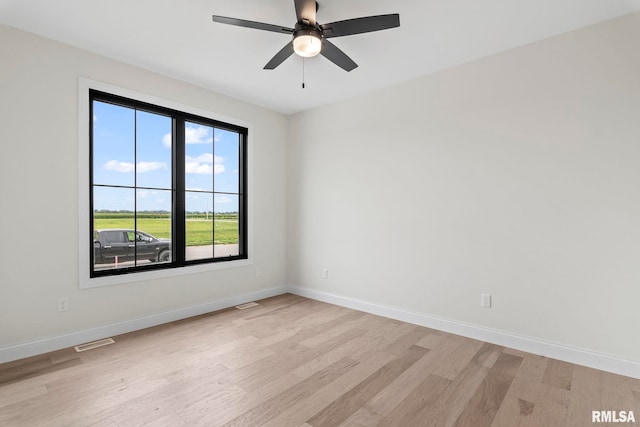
[307,45]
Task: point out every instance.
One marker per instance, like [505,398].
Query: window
[167,188]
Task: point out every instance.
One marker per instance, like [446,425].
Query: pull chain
[303,72]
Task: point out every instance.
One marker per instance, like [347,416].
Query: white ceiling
[179,39]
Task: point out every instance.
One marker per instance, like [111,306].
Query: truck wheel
[164,256]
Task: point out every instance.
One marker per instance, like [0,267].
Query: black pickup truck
[127,245]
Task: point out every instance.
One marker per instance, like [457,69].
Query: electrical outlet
[485,300]
[325,273]
[63,304]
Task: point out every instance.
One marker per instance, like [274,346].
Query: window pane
[200,163]
[226,225]
[120,200]
[153,150]
[227,151]
[113,210]
[199,225]
[153,219]
[113,144]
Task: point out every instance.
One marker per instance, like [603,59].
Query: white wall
[517,175]
[39,195]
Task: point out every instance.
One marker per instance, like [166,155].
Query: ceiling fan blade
[361,25]
[252,24]
[280,57]
[306,11]
[338,57]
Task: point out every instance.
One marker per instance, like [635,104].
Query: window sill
[87,282]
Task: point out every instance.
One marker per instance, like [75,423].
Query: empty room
[334,213]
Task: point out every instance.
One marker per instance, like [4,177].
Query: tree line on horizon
[106,213]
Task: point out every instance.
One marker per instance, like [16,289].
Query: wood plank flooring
[292,361]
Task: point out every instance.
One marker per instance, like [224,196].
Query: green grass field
[199,230]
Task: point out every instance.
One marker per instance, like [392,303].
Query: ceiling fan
[310,37]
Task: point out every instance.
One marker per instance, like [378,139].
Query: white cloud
[204,164]
[114,165]
[150,166]
[145,193]
[198,168]
[222,199]
[193,135]
[205,158]
[166,140]
[125,167]
[199,135]
[203,168]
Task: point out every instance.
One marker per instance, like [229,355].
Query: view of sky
[134,148]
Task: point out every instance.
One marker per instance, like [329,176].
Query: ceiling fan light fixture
[307,43]
[311,38]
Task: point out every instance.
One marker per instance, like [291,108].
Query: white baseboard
[558,351]
[579,356]
[45,345]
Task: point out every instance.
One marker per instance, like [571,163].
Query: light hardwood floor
[292,361]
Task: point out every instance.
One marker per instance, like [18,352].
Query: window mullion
[91,189]
[213,195]
[179,226]
[242,196]
[135,186]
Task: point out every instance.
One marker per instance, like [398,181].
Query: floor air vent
[92,345]
[247,305]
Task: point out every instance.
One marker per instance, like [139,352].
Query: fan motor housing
[302,30]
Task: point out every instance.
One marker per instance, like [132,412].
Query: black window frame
[178,190]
